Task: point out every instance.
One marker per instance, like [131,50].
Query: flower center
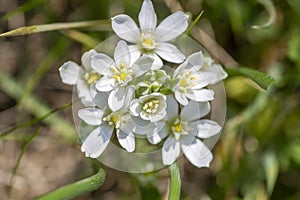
[91,77]
[186,82]
[148,41]
[121,74]
[151,106]
[113,119]
[178,128]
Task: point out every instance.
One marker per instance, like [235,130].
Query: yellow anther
[116,77]
[192,78]
[123,76]
[178,128]
[122,65]
[183,83]
[148,42]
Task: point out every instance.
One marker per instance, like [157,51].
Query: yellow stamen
[123,76]
[183,83]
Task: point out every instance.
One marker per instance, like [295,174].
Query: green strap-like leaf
[19,159]
[262,79]
[175,182]
[76,189]
[103,25]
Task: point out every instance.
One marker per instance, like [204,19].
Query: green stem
[19,160]
[175,182]
[76,189]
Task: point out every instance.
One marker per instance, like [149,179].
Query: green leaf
[103,25]
[76,189]
[268,4]
[262,79]
[271,167]
[175,182]
[194,23]
[19,159]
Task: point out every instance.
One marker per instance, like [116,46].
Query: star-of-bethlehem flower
[151,39]
[106,121]
[83,78]
[184,131]
[118,73]
[192,76]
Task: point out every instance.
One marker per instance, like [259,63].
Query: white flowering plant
[134,94]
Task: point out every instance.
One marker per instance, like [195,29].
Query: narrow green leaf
[262,79]
[59,48]
[14,172]
[271,168]
[76,189]
[103,25]
[175,182]
[194,23]
[37,107]
[81,37]
[268,4]
[34,121]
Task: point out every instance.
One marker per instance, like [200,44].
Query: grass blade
[194,23]
[77,188]
[37,107]
[268,4]
[103,25]
[175,182]
[14,172]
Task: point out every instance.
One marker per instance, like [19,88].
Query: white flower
[149,107]
[209,66]
[83,77]
[191,82]
[184,132]
[118,73]
[107,121]
[152,40]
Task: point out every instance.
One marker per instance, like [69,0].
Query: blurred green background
[258,155]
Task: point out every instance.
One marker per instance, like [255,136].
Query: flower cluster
[134,93]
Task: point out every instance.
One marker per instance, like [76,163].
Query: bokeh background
[258,154]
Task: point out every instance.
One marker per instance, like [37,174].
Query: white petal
[96,142]
[121,54]
[147,16]
[202,79]
[101,100]
[126,140]
[126,28]
[155,137]
[197,153]
[69,72]
[195,61]
[219,72]
[181,98]
[105,84]
[116,98]
[129,96]
[135,53]
[171,27]
[141,126]
[157,63]
[195,110]
[170,151]
[157,116]
[83,89]
[135,107]
[92,116]
[102,63]
[208,128]
[172,108]
[170,53]
[142,65]
[201,95]
[86,59]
